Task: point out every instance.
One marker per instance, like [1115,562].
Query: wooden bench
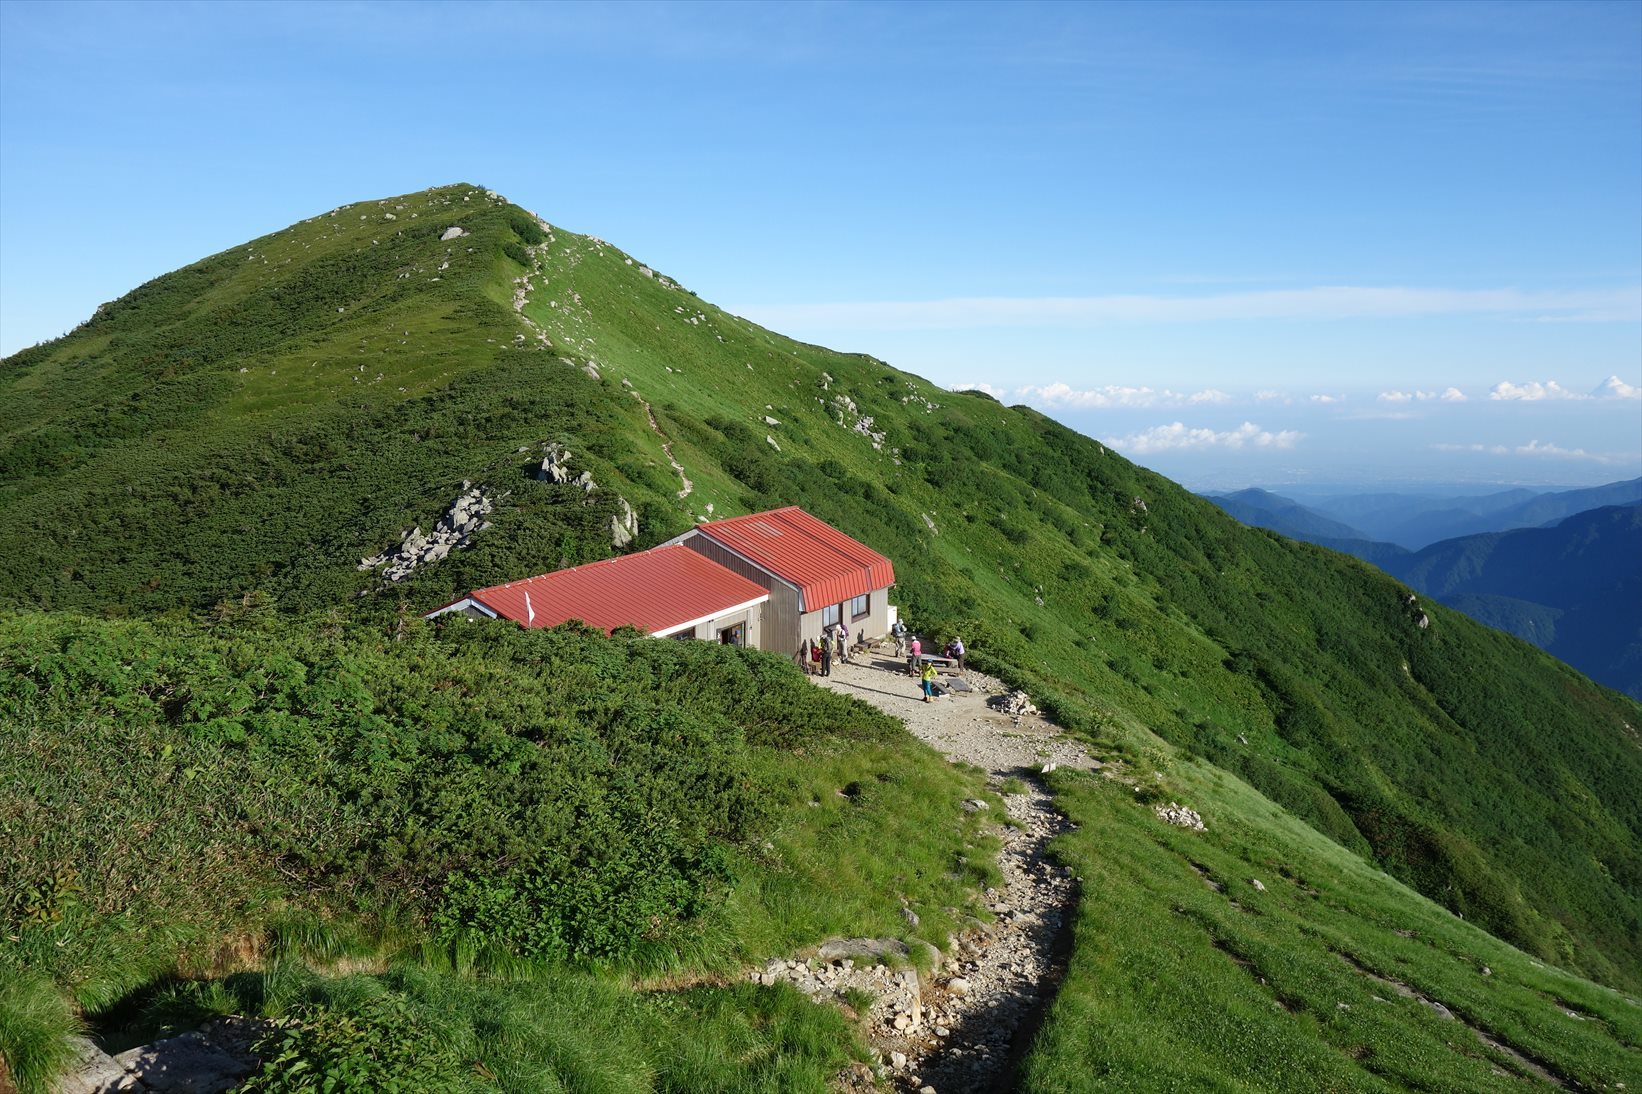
[940,661]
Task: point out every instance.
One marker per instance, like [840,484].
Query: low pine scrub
[471,795]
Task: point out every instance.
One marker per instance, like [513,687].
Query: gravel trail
[970,1022]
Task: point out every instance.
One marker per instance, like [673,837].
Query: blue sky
[1225,237]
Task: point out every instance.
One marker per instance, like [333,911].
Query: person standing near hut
[843,635]
[928,680]
[958,651]
[826,657]
[899,633]
[914,653]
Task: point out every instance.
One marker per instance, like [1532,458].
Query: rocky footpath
[962,1026]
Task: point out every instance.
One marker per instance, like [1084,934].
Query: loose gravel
[966,1027]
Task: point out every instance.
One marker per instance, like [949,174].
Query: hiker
[955,650]
[843,634]
[826,657]
[914,654]
[803,657]
[815,656]
[929,682]
[899,633]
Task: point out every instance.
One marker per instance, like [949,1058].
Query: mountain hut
[815,574]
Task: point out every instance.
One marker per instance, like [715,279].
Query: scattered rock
[1017,702]
[460,523]
[1179,815]
[452,233]
[1254,881]
[974,805]
[835,949]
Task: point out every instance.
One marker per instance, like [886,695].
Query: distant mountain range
[1572,587]
[1415,521]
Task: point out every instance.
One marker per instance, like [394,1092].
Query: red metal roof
[654,590]
[827,566]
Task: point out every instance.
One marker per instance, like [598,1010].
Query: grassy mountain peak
[221,447]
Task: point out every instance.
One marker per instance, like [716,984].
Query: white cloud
[1615,388]
[1321,302]
[1270,395]
[1326,399]
[1535,448]
[1447,395]
[1531,392]
[1532,448]
[1176,435]
[995,392]
[1060,394]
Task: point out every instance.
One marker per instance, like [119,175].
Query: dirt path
[973,1018]
[666,448]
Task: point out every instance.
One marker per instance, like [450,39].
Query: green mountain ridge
[228,441]
[1574,589]
[1581,570]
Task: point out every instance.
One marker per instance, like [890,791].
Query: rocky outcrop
[555,468]
[624,526]
[1016,703]
[216,1057]
[462,521]
[1179,815]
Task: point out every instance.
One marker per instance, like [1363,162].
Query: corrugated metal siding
[651,590]
[827,566]
[779,630]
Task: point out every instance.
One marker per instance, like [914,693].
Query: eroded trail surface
[972,1018]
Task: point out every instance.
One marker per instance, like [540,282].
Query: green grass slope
[1289,692]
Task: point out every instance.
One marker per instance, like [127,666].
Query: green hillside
[1573,589]
[215,453]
